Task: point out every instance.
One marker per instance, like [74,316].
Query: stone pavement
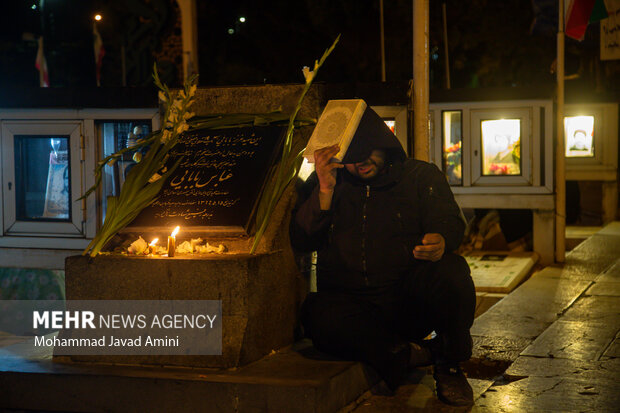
[552,345]
[293,380]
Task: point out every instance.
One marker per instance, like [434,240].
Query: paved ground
[553,345]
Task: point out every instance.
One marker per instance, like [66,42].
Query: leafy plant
[144,181]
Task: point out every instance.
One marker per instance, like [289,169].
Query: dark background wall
[492,44]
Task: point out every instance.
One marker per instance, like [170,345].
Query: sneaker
[452,385]
[420,356]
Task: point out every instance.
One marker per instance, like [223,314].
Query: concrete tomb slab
[260,295]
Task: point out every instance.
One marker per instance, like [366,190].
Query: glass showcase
[501,146]
[114,136]
[579,132]
[452,142]
[42,177]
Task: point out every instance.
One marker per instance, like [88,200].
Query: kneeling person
[384,227]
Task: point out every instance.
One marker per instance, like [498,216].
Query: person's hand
[325,168]
[432,248]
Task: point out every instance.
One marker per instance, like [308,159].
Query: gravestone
[213,195]
[218,181]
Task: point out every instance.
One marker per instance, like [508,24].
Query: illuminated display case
[501,147]
[579,132]
[494,147]
[591,141]
[502,142]
[498,154]
[395,118]
[47,162]
[452,141]
[591,149]
[42,174]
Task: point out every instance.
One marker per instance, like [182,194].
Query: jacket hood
[372,133]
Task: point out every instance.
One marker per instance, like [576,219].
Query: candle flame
[154,242]
[175,232]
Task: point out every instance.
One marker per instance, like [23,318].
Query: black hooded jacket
[365,241]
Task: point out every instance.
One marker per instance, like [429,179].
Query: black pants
[376,329]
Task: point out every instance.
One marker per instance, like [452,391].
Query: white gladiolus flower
[184,248]
[308,74]
[138,247]
[182,128]
[165,136]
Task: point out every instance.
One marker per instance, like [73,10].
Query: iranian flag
[99,52]
[580,13]
[41,64]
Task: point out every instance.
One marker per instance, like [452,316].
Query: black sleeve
[442,214]
[309,224]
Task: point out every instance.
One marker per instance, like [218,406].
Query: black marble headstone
[218,181]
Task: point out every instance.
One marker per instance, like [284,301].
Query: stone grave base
[292,380]
[260,297]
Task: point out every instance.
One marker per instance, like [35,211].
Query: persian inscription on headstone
[218,180]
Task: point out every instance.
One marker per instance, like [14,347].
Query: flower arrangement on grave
[145,180]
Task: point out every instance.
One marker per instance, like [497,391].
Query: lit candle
[172,242]
[153,246]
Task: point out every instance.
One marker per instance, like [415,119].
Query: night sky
[491,43]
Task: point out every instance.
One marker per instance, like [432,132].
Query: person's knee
[454,262]
[456,272]
[327,314]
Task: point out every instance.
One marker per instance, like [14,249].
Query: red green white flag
[41,64]
[580,13]
[99,52]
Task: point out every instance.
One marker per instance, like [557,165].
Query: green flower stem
[139,191]
[287,169]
